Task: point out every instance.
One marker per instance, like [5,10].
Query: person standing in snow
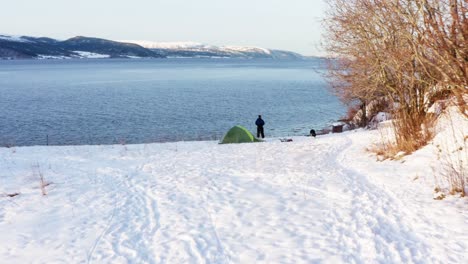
[260,123]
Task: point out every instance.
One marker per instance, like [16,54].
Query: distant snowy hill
[168,45]
[195,49]
[26,47]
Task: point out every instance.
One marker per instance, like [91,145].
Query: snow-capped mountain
[167,45]
[195,49]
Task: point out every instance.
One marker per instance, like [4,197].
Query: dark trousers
[260,131]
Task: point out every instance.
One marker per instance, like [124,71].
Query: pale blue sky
[278,24]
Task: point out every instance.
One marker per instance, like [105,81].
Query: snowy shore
[312,200]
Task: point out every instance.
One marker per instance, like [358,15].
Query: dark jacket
[259,122]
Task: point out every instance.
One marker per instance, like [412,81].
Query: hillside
[194,49]
[24,47]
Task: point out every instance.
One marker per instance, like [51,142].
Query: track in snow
[200,202]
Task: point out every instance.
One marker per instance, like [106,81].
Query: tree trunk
[364,115]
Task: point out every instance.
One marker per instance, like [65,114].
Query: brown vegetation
[37,172]
[406,52]
[452,156]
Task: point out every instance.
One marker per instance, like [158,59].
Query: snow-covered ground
[312,200]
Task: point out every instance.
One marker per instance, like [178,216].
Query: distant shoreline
[18,47]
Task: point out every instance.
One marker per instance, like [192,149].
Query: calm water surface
[140,101]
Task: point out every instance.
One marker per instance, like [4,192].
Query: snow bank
[451,145]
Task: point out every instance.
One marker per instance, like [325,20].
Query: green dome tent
[238,134]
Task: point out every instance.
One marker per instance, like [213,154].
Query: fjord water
[139,101]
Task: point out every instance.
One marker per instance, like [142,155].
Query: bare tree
[401,50]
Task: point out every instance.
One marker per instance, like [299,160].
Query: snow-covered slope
[168,45]
[246,49]
[13,38]
[195,49]
[194,46]
[312,200]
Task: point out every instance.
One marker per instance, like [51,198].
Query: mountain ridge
[196,49]
[27,47]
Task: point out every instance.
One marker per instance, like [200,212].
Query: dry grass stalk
[413,131]
[453,158]
[403,136]
[37,173]
[454,170]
